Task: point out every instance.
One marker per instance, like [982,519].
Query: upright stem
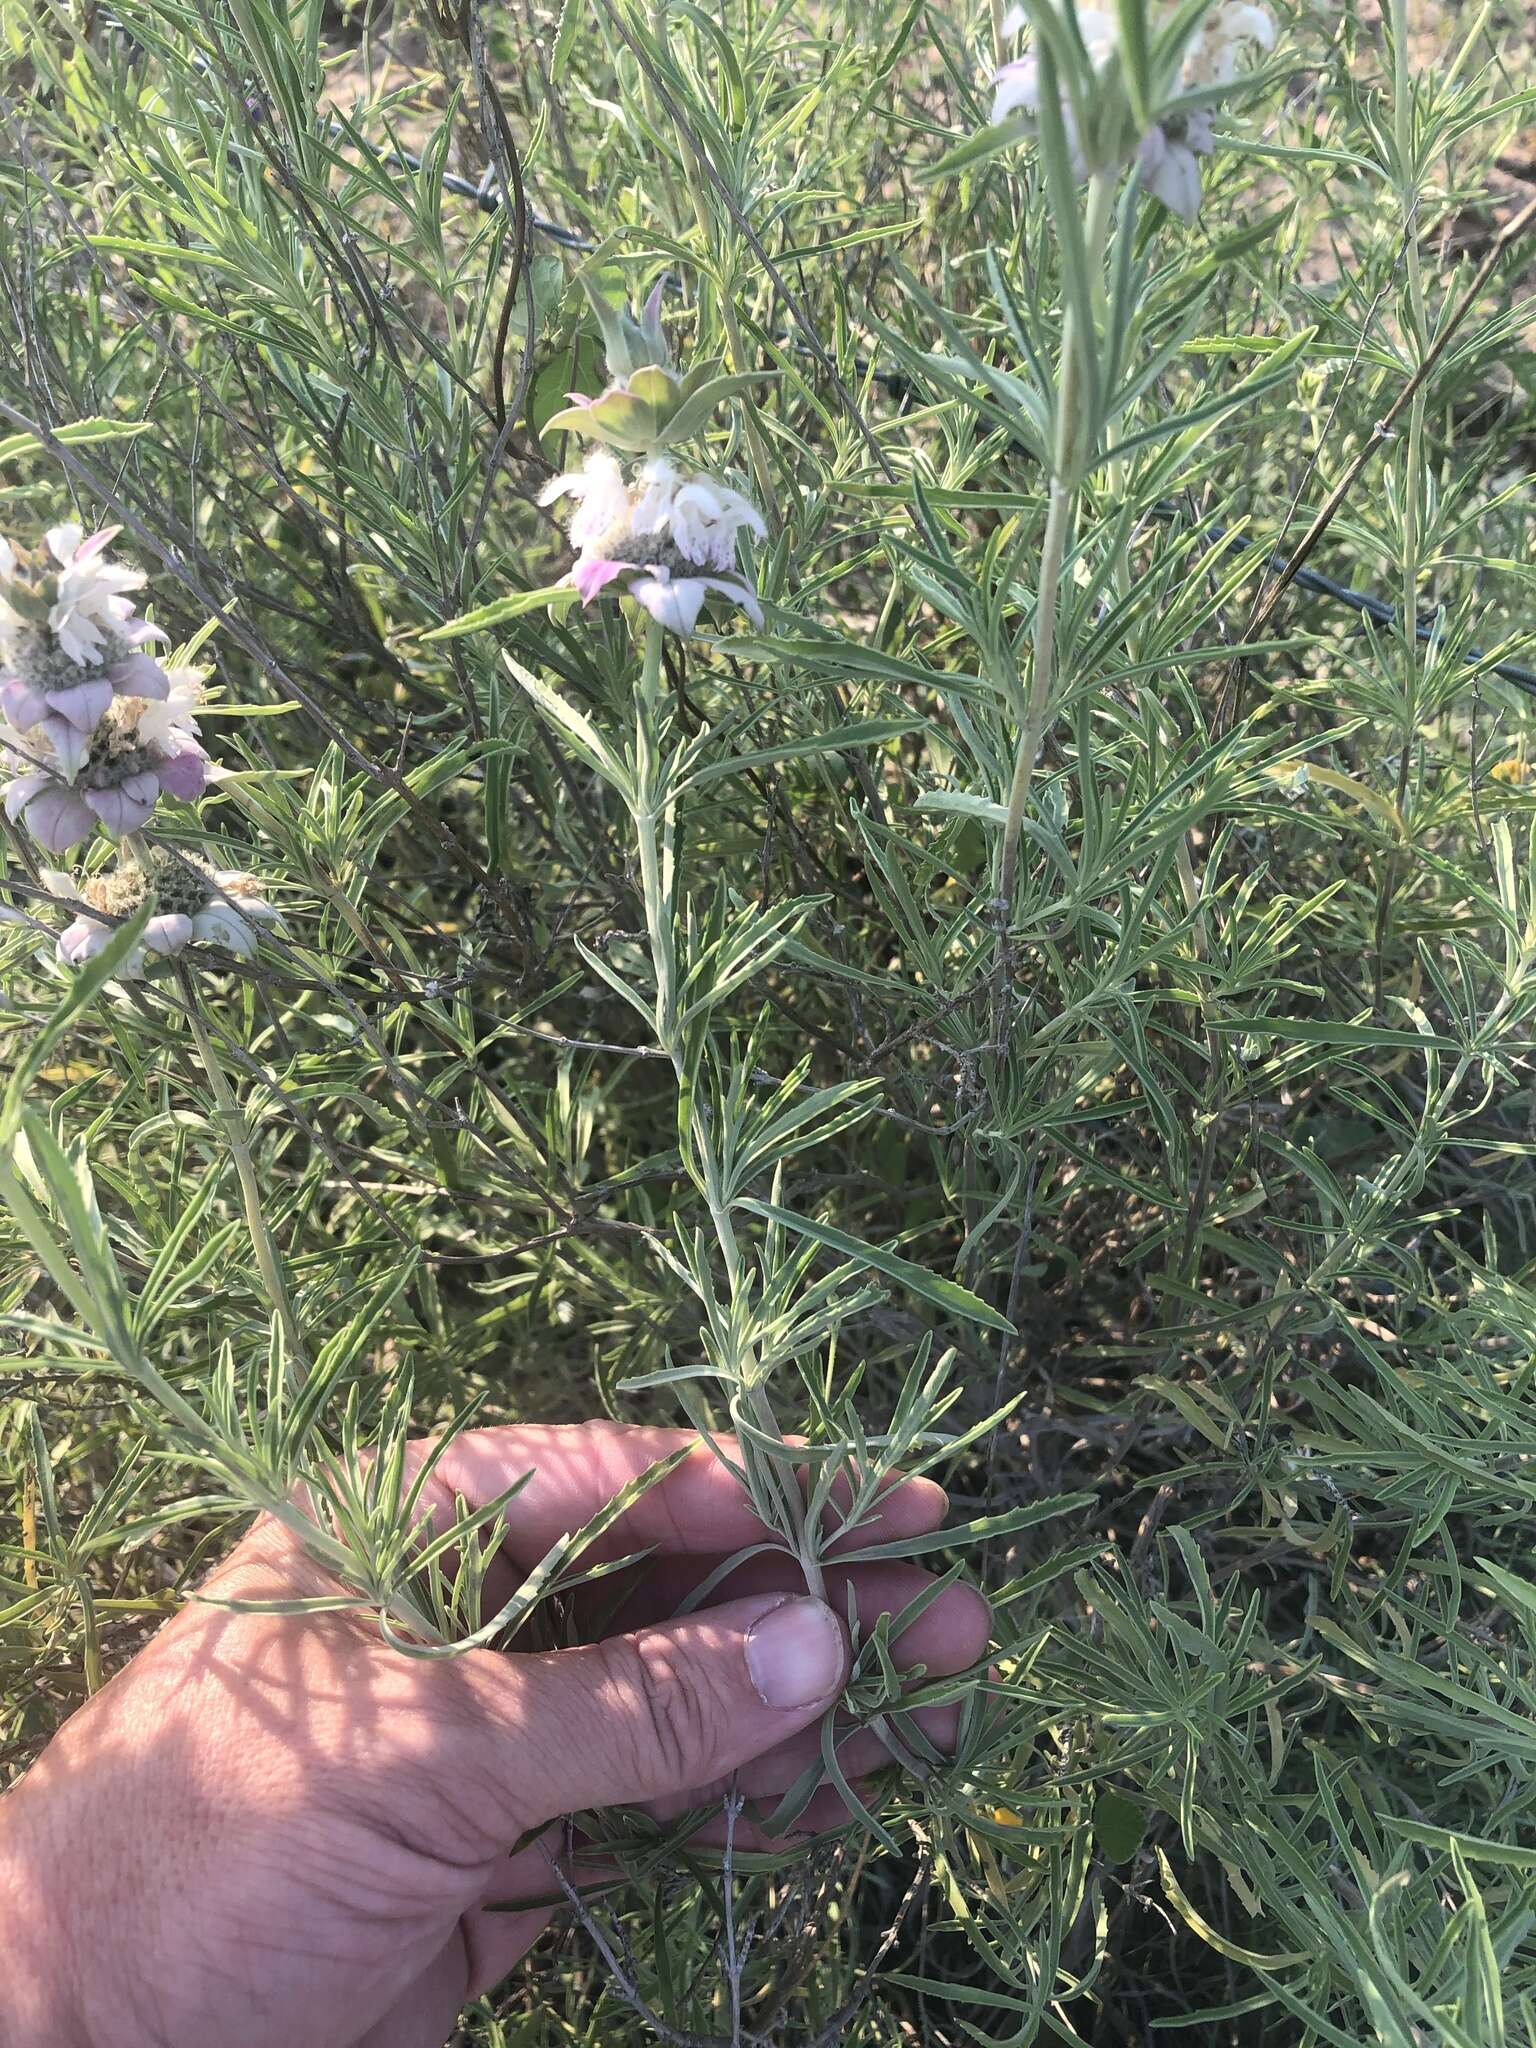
[648,99]
[653,885]
[237,1136]
[1189,889]
[1058,526]
[648,810]
[999,37]
[1071,460]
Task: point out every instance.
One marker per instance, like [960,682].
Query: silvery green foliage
[966,978]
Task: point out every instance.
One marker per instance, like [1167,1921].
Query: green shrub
[1037,983]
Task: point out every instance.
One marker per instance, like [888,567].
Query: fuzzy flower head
[1167,153]
[671,532]
[142,749]
[69,642]
[1222,44]
[194,905]
[1170,152]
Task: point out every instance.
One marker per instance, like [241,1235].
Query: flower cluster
[1168,152]
[141,749]
[194,904]
[94,729]
[670,532]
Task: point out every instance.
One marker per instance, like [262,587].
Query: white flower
[169,723]
[1169,154]
[119,894]
[141,749]
[233,911]
[90,599]
[1170,166]
[1222,41]
[69,643]
[202,906]
[702,514]
[672,532]
[601,494]
[676,601]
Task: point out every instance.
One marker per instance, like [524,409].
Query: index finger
[700,1508]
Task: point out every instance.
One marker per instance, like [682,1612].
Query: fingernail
[795,1654]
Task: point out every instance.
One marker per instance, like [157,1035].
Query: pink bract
[590,577]
[183,775]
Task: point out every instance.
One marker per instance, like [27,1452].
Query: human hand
[276,1830]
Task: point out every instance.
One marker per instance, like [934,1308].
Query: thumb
[655,1713]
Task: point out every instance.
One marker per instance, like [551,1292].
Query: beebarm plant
[818,721]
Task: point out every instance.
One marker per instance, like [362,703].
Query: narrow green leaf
[1476,1848]
[960,803]
[946,1294]
[553,597]
[79,434]
[975,149]
[982,1529]
[1325,1031]
[868,732]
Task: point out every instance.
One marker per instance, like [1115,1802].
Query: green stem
[1071,461]
[648,99]
[1058,526]
[999,38]
[789,1492]
[1413,471]
[237,1136]
[654,885]
[1189,889]
[649,810]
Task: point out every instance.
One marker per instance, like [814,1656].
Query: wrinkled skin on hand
[279,1832]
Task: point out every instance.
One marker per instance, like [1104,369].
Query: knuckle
[679,1716]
